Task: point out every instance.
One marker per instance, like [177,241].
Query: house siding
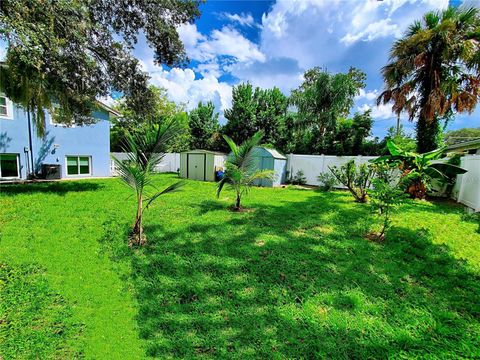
[59,141]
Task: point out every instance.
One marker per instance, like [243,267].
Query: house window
[9,166]
[78,165]
[3,106]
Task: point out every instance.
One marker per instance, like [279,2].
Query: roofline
[464,144]
[108,108]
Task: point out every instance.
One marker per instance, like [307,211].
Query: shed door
[267,164]
[196,166]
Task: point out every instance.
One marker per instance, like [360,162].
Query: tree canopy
[203,123]
[77,51]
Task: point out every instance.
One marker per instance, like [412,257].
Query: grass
[293,278]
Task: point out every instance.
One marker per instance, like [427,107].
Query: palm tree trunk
[237,202]
[427,134]
[137,236]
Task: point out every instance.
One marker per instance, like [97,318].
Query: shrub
[299,178]
[385,194]
[327,180]
[355,179]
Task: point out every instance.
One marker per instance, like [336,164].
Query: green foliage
[322,99]
[255,110]
[144,151]
[418,170]
[75,52]
[385,195]
[400,138]
[327,181]
[295,275]
[437,47]
[241,168]
[355,178]
[299,178]
[35,322]
[162,112]
[203,123]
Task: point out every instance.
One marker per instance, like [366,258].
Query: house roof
[466,145]
[108,108]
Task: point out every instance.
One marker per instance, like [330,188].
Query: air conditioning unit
[51,171]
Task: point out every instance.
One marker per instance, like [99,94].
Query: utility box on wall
[201,164]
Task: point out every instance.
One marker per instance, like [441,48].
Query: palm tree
[433,71]
[241,167]
[145,150]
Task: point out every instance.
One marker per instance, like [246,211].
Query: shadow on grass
[57,187]
[298,280]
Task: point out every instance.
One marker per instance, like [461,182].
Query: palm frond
[172,188]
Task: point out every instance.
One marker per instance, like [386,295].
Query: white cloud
[184,88]
[242,19]
[367,95]
[224,42]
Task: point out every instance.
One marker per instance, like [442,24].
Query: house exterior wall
[59,141]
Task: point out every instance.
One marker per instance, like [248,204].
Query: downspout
[30,145]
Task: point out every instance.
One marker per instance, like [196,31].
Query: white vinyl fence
[466,190]
[169,163]
[467,187]
[314,165]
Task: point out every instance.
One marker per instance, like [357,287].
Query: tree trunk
[237,202]
[138,237]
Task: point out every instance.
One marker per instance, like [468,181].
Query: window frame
[89,157]
[8,106]
[18,168]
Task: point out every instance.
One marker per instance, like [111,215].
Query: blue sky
[271,43]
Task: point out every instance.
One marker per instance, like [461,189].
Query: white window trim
[9,104]
[78,165]
[18,168]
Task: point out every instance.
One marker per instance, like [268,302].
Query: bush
[299,178]
[355,179]
[327,180]
[385,195]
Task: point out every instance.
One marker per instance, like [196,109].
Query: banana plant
[241,170]
[145,150]
[419,170]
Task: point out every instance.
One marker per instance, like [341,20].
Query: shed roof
[200,151]
[275,154]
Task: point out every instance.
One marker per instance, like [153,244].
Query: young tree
[241,168]
[355,178]
[323,98]
[81,50]
[145,150]
[203,123]
[433,71]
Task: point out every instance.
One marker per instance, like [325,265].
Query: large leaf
[448,169]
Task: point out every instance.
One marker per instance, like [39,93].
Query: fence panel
[467,188]
[169,163]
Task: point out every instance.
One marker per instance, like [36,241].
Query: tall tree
[76,51]
[162,111]
[323,98]
[240,117]
[271,107]
[434,71]
[203,122]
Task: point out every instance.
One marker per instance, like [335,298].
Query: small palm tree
[241,168]
[145,150]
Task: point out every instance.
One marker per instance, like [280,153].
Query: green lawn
[294,278]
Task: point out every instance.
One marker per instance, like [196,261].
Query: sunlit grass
[292,278]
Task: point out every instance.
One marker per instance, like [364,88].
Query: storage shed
[271,159]
[200,164]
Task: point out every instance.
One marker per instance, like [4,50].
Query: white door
[196,166]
